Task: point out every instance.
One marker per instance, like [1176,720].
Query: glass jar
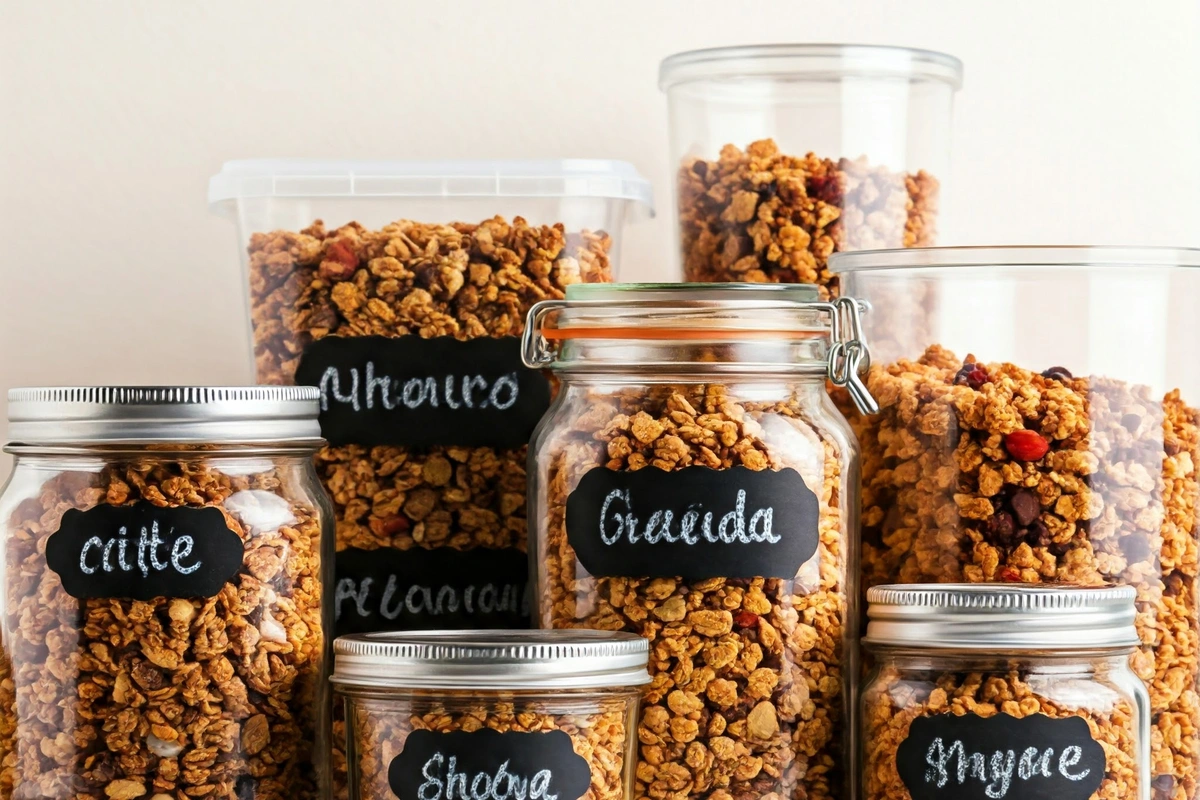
[788,153]
[506,715]
[1040,425]
[693,483]
[990,691]
[166,557]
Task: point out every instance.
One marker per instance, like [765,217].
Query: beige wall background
[1079,122]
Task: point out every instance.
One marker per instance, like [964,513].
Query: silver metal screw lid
[164,415]
[990,616]
[486,660]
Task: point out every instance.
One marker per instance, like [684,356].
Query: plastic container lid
[489,660]
[1001,616]
[553,178]
[1014,256]
[810,62]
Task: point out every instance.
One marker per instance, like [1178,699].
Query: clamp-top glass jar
[166,553]
[991,691]
[693,483]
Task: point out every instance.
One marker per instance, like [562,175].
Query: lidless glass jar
[166,557]
[505,715]
[693,483]
[995,691]
[1041,425]
[788,153]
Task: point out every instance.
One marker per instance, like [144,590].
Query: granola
[598,729]
[414,279]
[984,472]
[898,695]
[747,697]
[218,697]
[760,215]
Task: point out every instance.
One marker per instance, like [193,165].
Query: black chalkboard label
[693,523]
[141,551]
[419,589]
[950,757]
[414,392]
[474,765]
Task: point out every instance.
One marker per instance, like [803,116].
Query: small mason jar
[693,483]
[490,715]
[166,554]
[1000,690]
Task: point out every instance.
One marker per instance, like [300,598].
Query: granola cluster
[173,698]
[414,279]
[990,472]
[748,696]
[760,215]
[599,731]
[897,696]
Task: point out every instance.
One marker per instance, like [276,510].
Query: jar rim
[1014,256]
[809,61]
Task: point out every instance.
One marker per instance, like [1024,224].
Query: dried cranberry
[1025,506]
[389,526]
[972,375]
[1131,422]
[339,263]
[1164,786]
[746,619]
[1026,445]
[1009,574]
[1060,374]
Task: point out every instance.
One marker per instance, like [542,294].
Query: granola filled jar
[694,484]
[1041,427]
[787,153]
[166,555]
[506,715]
[990,691]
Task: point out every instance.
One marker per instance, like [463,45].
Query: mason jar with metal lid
[490,715]
[991,691]
[166,555]
[693,483]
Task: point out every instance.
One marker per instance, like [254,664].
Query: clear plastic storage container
[787,153]
[694,484]
[1040,424]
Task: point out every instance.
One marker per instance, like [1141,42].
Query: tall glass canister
[784,154]
[1042,426]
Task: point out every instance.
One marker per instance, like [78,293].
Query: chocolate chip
[700,168]
[1002,529]
[244,788]
[1061,374]
[1131,422]
[1164,786]
[768,190]
[1025,506]
[1136,547]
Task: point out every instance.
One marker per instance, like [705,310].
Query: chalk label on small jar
[419,589]
[693,523]
[975,758]
[142,551]
[414,392]
[488,765]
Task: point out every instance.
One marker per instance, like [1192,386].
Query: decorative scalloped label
[488,764]
[420,589]
[410,391]
[693,523]
[950,757]
[142,551]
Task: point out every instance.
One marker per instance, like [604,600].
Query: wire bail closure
[848,356]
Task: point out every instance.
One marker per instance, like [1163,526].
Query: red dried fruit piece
[1026,445]
[1009,574]
[339,263]
[389,526]
[746,619]
[971,374]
